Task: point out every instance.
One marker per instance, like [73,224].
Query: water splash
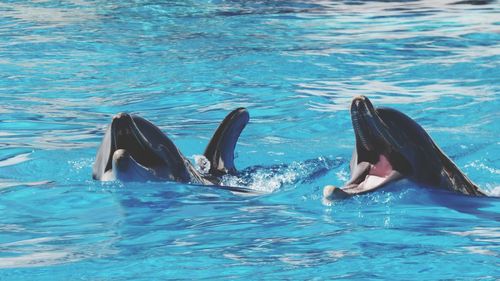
[284,176]
[202,164]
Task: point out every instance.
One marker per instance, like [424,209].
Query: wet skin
[133,149]
[391,146]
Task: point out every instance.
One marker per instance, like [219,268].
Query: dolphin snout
[121,115]
[363,105]
[357,102]
[359,98]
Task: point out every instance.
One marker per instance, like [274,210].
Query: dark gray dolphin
[133,149]
[391,146]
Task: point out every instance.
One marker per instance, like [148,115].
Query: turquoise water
[66,67]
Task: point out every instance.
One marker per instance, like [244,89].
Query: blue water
[66,67]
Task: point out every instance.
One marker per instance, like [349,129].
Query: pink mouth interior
[382,168]
[375,176]
[378,174]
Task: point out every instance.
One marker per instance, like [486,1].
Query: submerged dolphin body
[133,149]
[391,146]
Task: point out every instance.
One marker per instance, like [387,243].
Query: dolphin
[391,146]
[133,149]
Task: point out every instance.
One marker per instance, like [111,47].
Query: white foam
[269,180]
[202,163]
[494,192]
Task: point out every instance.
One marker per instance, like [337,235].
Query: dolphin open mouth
[378,162]
[389,146]
[134,149]
[126,136]
[371,176]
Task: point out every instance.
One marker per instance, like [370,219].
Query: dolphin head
[389,146]
[135,149]
[377,158]
[378,136]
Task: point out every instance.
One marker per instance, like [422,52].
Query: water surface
[66,67]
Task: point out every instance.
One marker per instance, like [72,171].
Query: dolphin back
[220,149]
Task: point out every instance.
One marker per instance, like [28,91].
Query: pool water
[66,67]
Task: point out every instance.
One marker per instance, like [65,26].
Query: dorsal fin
[220,149]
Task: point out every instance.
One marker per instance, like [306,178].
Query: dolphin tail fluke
[220,149]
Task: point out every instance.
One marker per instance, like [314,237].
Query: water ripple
[66,67]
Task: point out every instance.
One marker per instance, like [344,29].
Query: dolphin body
[391,146]
[133,149]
